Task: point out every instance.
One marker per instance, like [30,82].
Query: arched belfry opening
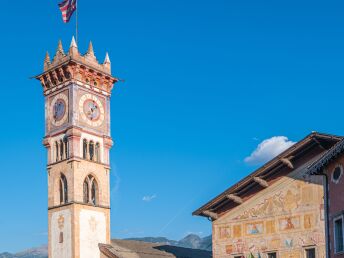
[84,149]
[90,190]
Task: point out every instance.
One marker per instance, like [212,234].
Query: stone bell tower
[77,90]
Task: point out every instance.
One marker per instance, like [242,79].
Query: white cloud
[149,198]
[268,149]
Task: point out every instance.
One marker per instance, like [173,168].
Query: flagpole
[76,23]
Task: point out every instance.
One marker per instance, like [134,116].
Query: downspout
[327,210]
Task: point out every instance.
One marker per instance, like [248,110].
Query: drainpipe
[327,220]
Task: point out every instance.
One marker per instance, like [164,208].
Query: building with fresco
[275,212]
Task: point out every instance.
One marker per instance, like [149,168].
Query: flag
[67,8]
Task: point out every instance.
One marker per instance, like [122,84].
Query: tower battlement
[72,65]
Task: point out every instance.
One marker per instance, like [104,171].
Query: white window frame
[340,217]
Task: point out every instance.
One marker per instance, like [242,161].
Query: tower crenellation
[72,65]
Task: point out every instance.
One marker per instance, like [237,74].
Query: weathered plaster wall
[93,231]
[285,218]
[76,172]
[61,234]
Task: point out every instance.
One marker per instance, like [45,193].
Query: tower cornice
[74,71]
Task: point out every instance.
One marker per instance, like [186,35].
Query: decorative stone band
[78,203]
[72,159]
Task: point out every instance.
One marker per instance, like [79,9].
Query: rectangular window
[310,253]
[272,255]
[338,235]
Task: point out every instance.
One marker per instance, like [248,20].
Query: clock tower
[77,90]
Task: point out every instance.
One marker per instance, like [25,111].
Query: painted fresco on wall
[270,226]
[283,220]
[308,221]
[255,228]
[224,232]
[291,200]
[308,195]
[237,231]
[289,223]
[275,243]
[288,242]
[281,202]
[229,249]
[240,246]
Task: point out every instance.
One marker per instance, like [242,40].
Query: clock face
[58,109]
[91,110]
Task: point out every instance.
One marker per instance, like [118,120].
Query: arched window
[94,192]
[86,191]
[90,190]
[91,150]
[61,150]
[57,151]
[97,152]
[65,140]
[84,149]
[63,189]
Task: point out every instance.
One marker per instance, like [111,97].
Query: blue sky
[205,83]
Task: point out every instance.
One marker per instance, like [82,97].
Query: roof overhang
[317,167]
[260,178]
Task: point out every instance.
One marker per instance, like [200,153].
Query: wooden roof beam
[287,162]
[319,143]
[235,198]
[211,214]
[261,181]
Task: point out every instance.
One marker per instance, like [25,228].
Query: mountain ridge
[190,241]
